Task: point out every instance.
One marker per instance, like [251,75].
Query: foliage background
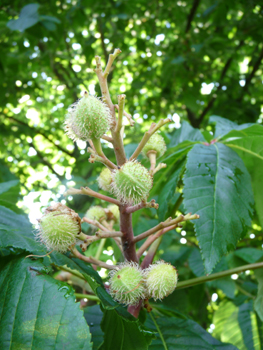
[188,60]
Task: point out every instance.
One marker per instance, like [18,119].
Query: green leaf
[223,126]
[250,255]
[180,334]
[28,17]
[16,231]
[9,192]
[93,316]
[168,192]
[226,284]
[186,132]
[237,325]
[259,300]
[248,144]
[218,188]
[38,312]
[121,334]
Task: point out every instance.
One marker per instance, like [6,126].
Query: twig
[159,167]
[89,192]
[151,204]
[167,223]
[111,59]
[127,115]
[87,296]
[95,223]
[194,281]
[92,260]
[153,128]
[99,157]
[152,158]
[121,101]
[107,138]
[116,136]
[73,272]
[151,239]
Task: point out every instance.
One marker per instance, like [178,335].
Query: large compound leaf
[248,143]
[38,312]
[218,188]
[237,325]
[178,334]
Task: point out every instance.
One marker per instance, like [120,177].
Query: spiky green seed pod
[96,213]
[114,209]
[88,118]
[157,144]
[104,180]
[161,280]
[59,227]
[131,183]
[127,284]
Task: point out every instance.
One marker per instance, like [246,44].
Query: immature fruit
[114,209]
[131,183]
[160,279]
[88,118]
[156,144]
[59,227]
[104,179]
[96,213]
[127,284]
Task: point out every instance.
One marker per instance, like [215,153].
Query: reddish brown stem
[128,244]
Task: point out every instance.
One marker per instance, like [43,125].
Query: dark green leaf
[9,192]
[93,316]
[224,126]
[259,300]
[186,133]
[16,231]
[248,144]
[218,188]
[178,334]
[168,194]
[38,312]
[250,255]
[121,334]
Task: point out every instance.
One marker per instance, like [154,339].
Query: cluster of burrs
[90,119]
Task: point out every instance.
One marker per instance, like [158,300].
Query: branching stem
[167,223]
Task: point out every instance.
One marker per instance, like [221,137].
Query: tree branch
[191,15]
[46,162]
[37,131]
[222,75]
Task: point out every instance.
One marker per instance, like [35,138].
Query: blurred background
[184,59]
